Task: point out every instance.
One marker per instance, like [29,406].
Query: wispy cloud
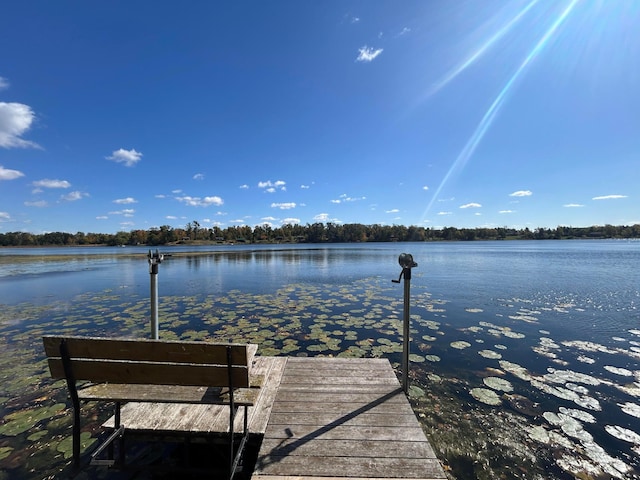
[444,213]
[345,198]
[425,188]
[393,210]
[125,201]
[48,183]
[74,196]
[38,204]
[127,212]
[244,187]
[290,221]
[507,211]
[471,205]
[521,193]
[367,54]
[4,83]
[8,174]
[573,205]
[15,120]
[284,206]
[4,217]
[198,176]
[609,197]
[128,157]
[200,202]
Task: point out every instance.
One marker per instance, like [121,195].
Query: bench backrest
[161,362]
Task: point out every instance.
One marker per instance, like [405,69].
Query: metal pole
[406,262]
[153,271]
[406,336]
[154,261]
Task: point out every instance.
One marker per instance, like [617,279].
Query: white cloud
[244,187]
[4,217]
[74,196]
[39,204]
[393,210]
[239,220]
[127,212]
[4,83]
[573,205]
[47,183]
[367,54]
[290,221]
[269,219]
[355,19]
[15,120]
[128,157]
[171,217]
[125,201]
[521,193]
[609,197]
[198,176]
[271,187]
[304,187]
[404,31]
[284,206]
[506,211]
[425,188]
[200,202]
[102,217]
[8,174]
[444,213]
[345,198]
[471,205]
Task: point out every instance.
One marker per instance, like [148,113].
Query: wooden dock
[328,418]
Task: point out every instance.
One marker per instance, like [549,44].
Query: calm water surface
[530,347]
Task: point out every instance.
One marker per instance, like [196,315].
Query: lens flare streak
[491,113]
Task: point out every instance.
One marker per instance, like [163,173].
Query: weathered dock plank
[343,418]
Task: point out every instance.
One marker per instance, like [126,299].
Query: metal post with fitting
[155,259]
[406,262]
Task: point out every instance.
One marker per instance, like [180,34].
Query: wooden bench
[121,370]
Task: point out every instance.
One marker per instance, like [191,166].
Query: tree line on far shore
[311,233]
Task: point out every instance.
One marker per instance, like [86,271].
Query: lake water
[525,354]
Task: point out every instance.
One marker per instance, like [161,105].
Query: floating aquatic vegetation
[415,358]
[486,396]
[578,414]
[630,409]
[569,425]
[474,310]
[549,437]
[623,372]
[432,358]
[460,345]
[499,384]
[429,338]
[500,347]
[416,392]
[66,445]
[517,370]
[22,420]
[585,359]
[490,354]
[623,434]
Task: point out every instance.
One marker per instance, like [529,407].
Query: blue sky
[481,113]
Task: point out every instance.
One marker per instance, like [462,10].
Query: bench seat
[121,370]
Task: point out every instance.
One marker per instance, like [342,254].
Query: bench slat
[158,373]
[167,394]
[150,350]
